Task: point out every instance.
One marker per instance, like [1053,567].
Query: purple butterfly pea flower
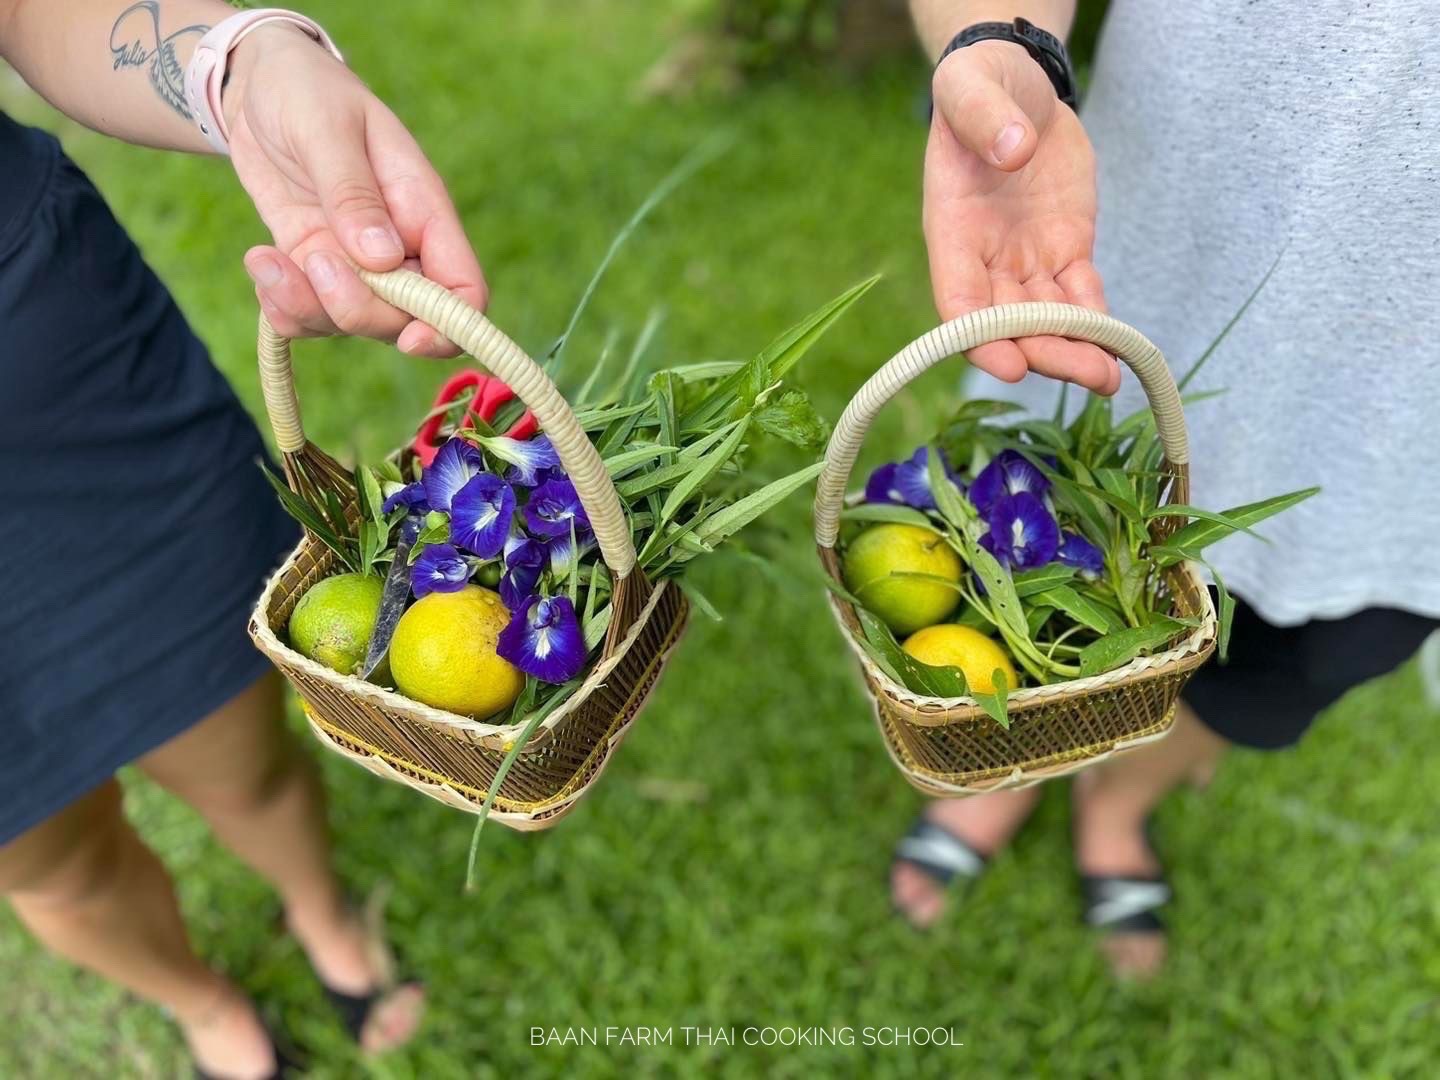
[544,639]
[1078,552]
[480,515]
[531,461]
[525,561]
[906,482]
[1022,532]
[439,568]
[1009,473]
[411,496]
[454,466]
[553,507]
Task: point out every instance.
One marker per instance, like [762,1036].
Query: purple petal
[1078,552]
[525,561]
[1009,473]
[411,496]
[544,639]
[439,568]
[480,515]
[912,481]
[553,506]
[880,488]
[453,467]
[529,459]
[1023,529]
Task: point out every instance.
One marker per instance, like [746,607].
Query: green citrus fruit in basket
[332,622]
[905,604]
[443,653]
[966,648]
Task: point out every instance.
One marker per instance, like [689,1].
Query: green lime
[332,622]
[905,604]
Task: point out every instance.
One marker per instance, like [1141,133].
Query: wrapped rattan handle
[478,336]
[979,328]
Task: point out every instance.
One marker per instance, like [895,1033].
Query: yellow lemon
[443,653]
[966,648]
[332,622]
[904,603]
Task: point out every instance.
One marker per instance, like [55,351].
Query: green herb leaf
[791,417]
[1000,590]
[1188,542]
[619,464]
[1118,648]
[733,518]
[1082,609]
[700,600]
[888,512]
[995,703]
[703,470]
[1030,582]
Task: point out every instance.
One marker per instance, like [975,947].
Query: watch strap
[1045,49]
[205,74]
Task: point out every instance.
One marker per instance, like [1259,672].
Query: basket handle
[467,327]
[980,328]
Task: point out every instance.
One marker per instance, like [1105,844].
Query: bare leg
[92,892]
[260,792]
[985,822]
[1113,802]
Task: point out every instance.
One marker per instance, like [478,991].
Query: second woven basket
[448,757]
[951,746]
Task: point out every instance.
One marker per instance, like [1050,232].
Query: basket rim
[1197,644]
[270,644]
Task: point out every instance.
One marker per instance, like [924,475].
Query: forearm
[117,66]
[937,21]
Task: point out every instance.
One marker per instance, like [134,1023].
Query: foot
[346,958]
[985,822]
[226,1038]
[1110,841]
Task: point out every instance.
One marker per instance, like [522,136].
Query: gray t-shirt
[1227,133]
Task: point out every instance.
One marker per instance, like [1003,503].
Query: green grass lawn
[729,870]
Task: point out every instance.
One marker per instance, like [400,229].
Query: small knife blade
[393,597]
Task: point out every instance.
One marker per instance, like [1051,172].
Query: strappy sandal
[1124,904]
[355,1010]
[939,854]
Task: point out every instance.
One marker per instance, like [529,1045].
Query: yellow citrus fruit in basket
[332,622]
[964,647]
[904,603]
[443,653]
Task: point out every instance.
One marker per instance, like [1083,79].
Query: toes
[918,897]
[1134,956]
[394,1019]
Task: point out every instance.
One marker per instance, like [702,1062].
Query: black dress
[137,528]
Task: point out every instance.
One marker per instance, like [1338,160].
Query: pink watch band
[205,74]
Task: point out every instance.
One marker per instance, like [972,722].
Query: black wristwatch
[1047,50]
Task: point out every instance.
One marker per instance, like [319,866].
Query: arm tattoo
[138,24]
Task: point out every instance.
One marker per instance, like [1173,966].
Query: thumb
[339,166]
[982,115]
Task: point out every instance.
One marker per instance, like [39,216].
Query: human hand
[336,176]
[1010,208]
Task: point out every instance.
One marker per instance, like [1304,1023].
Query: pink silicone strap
[205,74]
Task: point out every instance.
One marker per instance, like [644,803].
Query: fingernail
[320,268]
[1008,141]
[265,272]
[380,243]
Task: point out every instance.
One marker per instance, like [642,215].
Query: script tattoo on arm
[136,42]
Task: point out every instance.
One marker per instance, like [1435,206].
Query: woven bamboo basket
[950,746]
[452,758]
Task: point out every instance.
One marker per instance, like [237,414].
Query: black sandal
[939,854]
[1124,905]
